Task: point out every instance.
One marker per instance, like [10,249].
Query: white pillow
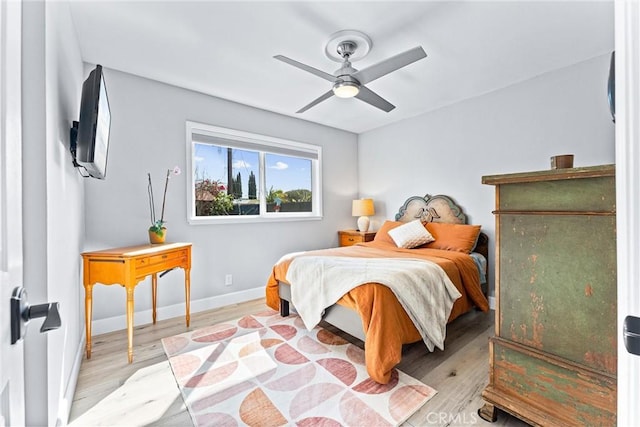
[411,235]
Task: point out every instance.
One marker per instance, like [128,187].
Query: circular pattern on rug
[341,369]
[355,354]
[184,365]
[370,386]
[248,322]
[216,419]
[288,355]
[256,408]
[294,380]
[207,402]
[355,412]
[285,331]
[212,376]
[312,396]
[308,345]
[173,345]
[258,346]
[329,338]
[318,422]
[214,333]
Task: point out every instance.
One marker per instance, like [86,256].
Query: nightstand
[351,237]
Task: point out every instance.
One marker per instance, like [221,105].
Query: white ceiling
[226,49]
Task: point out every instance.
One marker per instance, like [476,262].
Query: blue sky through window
[283,172]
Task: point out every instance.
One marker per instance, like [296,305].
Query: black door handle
[631,334]
[22,312]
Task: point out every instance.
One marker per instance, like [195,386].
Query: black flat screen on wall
[94,125]
[611,86]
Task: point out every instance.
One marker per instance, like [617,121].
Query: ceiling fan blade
[307,68]
[316,101]
[370,97]
[396,62]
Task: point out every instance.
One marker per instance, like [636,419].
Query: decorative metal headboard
[441,208]
[430,208]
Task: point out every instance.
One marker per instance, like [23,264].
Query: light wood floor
[112,392]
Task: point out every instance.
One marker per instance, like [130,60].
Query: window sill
[246,219]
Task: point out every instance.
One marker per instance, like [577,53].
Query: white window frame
[259,143]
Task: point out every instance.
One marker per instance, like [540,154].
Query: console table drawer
[151,264]
[106,271]
[161,259]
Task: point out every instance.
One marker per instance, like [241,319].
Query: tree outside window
[249,179]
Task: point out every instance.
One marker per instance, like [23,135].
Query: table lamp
[363,208]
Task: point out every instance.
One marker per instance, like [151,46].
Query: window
[237,176]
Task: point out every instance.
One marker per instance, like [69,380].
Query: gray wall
[148,135]
[53,208]
[515,129]
[443,152]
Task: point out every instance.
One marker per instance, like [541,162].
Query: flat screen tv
[611,86]
[92,141]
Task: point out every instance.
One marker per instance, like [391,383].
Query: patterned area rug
[268,370]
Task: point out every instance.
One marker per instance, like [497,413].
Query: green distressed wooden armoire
[553,358]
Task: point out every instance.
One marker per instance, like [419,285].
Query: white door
[11,356]
[627,36]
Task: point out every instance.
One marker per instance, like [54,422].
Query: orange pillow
[453,237]
[382,235]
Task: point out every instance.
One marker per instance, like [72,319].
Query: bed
[376,275]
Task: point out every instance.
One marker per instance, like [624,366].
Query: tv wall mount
[73,146]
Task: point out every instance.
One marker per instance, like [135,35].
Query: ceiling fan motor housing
[346,48]
[346,86]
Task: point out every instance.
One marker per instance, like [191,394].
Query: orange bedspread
[385,323]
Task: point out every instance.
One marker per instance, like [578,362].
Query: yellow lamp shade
[363,208]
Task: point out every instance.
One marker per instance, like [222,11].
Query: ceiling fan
[349,82]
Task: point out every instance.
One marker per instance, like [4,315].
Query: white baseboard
[116,323]
[64,407]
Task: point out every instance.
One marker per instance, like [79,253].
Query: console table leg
[130,290]
[88,308]
[187,294]
[154,295]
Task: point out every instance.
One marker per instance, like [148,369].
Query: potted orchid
[157,231]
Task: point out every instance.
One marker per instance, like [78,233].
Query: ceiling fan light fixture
[346,89]
[348,82]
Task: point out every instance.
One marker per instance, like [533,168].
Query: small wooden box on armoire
[553,358]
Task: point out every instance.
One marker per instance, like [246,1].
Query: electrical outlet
[228,280]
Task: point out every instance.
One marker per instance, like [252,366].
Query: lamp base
[363,224]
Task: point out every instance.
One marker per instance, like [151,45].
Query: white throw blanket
[422,287]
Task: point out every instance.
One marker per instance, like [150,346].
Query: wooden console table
[127,266]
